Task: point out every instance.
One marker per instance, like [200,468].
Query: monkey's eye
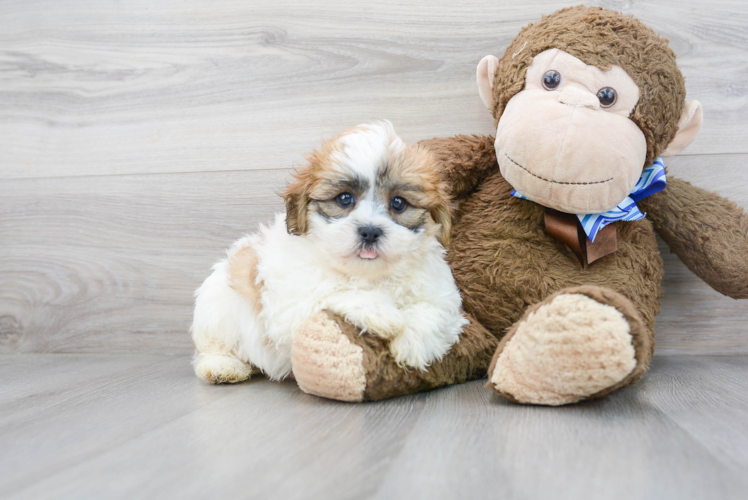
[607,96]
[344,200]
[551,80]
[398,205]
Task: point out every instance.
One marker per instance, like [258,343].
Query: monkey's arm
[707,232]
[464,160]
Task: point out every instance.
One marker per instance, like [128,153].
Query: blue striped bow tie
[652,181]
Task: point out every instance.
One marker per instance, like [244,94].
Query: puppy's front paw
[371,311]
[382,321]
[408,350]
[376,319]
[220,369]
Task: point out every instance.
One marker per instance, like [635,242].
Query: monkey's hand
[464,161]
[707,232]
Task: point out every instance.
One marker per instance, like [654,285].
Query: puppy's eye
[551,80]
[607,96]
[344,200]
[398,205]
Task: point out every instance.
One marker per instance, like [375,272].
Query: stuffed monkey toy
[554,245]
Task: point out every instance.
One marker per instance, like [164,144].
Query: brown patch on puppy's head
[603,38]
[298,194]
[412,175]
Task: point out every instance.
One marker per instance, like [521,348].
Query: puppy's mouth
[368,253]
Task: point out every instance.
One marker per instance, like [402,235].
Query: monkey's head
[583,101]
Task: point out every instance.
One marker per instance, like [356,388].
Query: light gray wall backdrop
[139,138]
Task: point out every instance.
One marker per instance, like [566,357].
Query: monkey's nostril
[369,234]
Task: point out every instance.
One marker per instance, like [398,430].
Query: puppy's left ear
[442,215]
[297,205]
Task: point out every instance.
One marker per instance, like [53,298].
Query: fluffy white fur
[406,294]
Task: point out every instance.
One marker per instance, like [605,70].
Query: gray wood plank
[85,404]
[263,433]
[34,383]
[105,87]
[723,174]
[109,263]
[622,446]
[712,409]
[159,433]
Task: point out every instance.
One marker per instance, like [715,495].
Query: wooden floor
[142,426]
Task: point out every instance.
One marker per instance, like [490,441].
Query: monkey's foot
[325,362]
[579,343]
[330,358]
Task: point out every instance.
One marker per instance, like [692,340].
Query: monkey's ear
[688,127]
[484,74]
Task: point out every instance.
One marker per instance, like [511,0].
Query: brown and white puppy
[362,237]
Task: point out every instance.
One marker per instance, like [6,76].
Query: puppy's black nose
[369,234]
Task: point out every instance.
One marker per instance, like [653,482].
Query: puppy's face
[368,200]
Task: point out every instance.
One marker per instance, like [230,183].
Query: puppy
[362,237]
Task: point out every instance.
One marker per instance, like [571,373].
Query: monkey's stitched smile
[551,180]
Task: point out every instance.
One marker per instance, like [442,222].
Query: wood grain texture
[138,140]
[109,263]
[106,87]
[142,426]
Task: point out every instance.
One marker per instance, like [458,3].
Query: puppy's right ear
[296,196]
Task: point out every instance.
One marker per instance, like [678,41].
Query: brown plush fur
[603,38]
[504,261]
[464,161]
[467,360]
[707,232]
